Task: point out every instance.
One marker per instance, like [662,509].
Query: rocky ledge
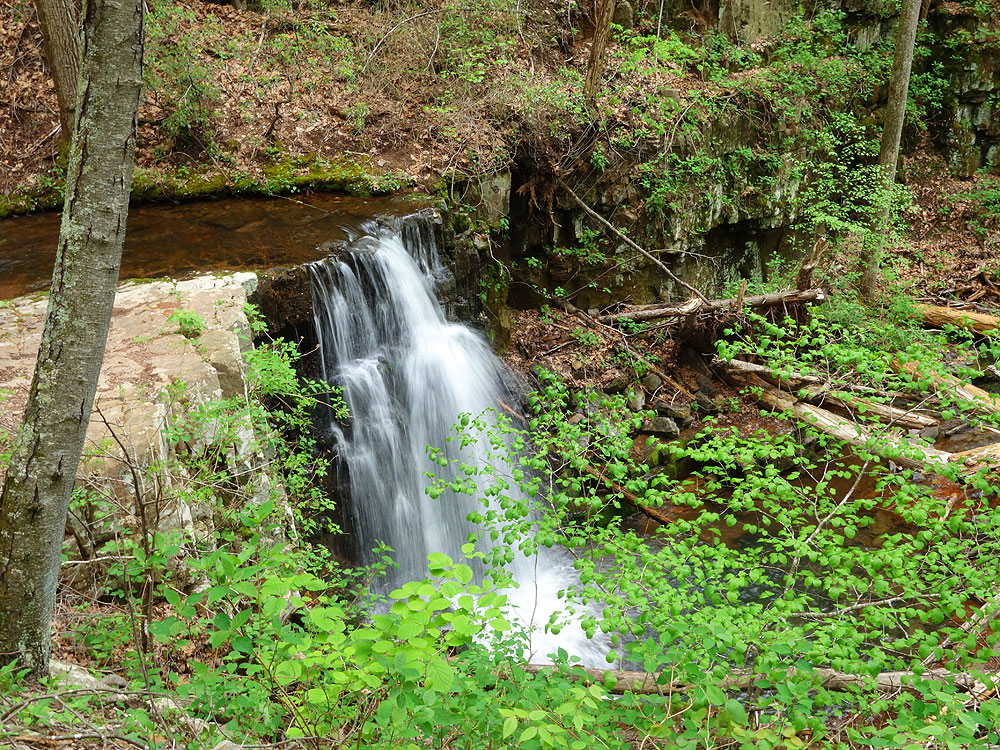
[172,346]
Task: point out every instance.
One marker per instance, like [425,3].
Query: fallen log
[741,367]
[654,513]
[645,683]
[968,320]
[901,450]
[892,416]
[817,386]
[709,307]
[953,387]
[898,449]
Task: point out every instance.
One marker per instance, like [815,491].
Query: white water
[407,374]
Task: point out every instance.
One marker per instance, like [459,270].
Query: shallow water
[177,240]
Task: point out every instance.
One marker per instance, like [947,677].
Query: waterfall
[406,375]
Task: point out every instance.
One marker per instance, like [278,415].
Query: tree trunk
[61,34]
[892,130]
[46,451]
[602,32]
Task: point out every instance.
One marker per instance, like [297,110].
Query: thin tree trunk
[602,33]
[61,35]
[46,452]
[892,130]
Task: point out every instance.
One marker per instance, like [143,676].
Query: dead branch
[710,307]
[804,278]
[905,418]
[644,683]
[653,513]
[629,241]
[898,449]
[952,386]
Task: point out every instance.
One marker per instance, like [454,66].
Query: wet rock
[637,400]
[706,386]
[705,403]
[662,427]
[679,412]
[647,452]
[490,198]
[616,383]
[283,297]
[624,15]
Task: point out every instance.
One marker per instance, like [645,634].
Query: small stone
[705,403]
[637,400]
[679,412]
[706,386]
[616,384]
[662,426]
[931,433]
[652,382]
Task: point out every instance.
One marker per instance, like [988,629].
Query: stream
[178,240]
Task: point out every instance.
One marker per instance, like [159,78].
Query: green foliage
[780,560]
[477,38]
[190,324]
[180,83]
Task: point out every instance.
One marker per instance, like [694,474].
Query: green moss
[290,175]
[27,201]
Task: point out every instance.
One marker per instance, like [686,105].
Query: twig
[415,16]
[625,238]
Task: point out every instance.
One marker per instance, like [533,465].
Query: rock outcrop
[152,374]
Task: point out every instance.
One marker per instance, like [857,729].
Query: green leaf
[440,675]
[715,695]
[736,712]
[509,725]
[408,628]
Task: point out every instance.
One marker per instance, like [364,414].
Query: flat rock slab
[146,356]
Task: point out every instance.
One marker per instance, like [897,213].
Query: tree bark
[714,306]
[970,320]
[61,35]
[646,683]
[46,451]
[602,33]
[892,130]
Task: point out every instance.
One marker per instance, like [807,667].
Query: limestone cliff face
[720,195]
[966,51]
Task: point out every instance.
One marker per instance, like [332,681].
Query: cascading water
[406,376]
